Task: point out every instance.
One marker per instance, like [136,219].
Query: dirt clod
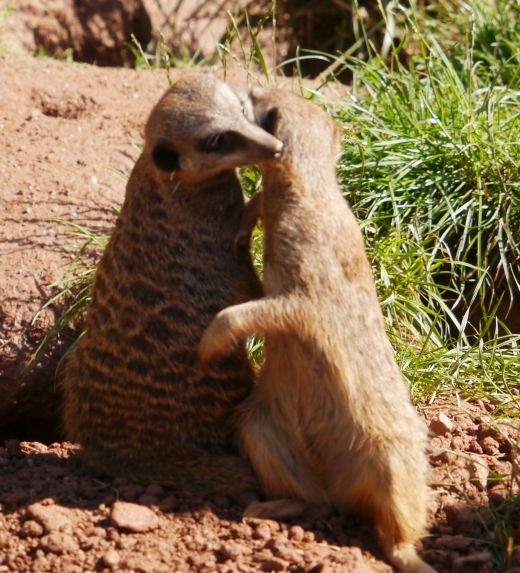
[111,559]
[132,517]
[441,424]
[58,543]
[51,517]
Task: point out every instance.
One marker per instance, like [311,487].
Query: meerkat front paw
[217,338]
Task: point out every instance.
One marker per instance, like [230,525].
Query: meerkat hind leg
[283,473]
[404,557]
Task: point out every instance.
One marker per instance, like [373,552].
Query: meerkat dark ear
[269,121]
[165,158]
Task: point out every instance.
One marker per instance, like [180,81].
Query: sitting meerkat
[134,396]
[330,420]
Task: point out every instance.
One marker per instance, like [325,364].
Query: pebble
[51,517]
[297,533]
[230,550]
[58,543]
[478,473]
[499,493]
[490,446]
[458,513]
[111,559]
[272,565]
[262,531]
[143,565]
[441,424]
[133,517]
[32,528]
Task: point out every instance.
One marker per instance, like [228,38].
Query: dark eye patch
[220,142]
[269,121]
[166,158]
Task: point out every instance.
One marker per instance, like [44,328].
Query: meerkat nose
[278,150]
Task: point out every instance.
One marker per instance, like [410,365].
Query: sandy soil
[64,130]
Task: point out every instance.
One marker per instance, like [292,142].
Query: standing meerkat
[331,420]
[134,396]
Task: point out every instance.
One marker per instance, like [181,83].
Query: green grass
[430,166]
[5,12]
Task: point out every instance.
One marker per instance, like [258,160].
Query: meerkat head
[201,127]
[300,125]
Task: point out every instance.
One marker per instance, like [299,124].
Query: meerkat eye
[222,142]
[165,158]
[215,142]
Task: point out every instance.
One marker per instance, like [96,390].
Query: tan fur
[331,421]
[135,398]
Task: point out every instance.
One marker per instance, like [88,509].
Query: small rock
[143,565]
[468,562]
[478,474]
[490,446]
[262,531]
[297,533]
[230,550]
[272,565]
[441,424]
[458,513]
[32,529]
[133,517]
[240,531]
[457,443]
[52,517]
[487,431]
[475,447]
[110,559]
[444,458]
[58,543]
[499,493]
